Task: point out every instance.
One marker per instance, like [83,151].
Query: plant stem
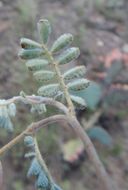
[60,80]
[78,129]
[89,147]
[36,100]
[12,142]
[71,121]
[32,128]
[42,162]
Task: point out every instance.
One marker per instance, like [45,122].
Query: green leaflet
[30,155]
[78,85]
[44,29]
[5,112]
[38,108]
[75,73]
[101,135]
[42,181]
[62,42]
[91,95]
[50,90]
[29,44]
[6,123]
[78,101]
[34,169]
[44,76]
[29,141]
[30,53]
[11,109]
[36,64]
[68,55]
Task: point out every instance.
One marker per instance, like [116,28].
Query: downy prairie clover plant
[56,89]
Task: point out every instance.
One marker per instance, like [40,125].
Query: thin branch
[101,173]
[32,128]
[79,131]
[37,100]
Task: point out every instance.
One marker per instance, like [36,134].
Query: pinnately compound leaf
[30,53]
[50,90]
[44,76]
[29,44]
[44,29]
[78,101]
[36,64]
[78,85]
[42,181]
[62,42]
[34,169]
[69,55]
[75,73]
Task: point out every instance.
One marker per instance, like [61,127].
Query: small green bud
[79,84]
[75,73]
[69,55]
[44,76]
[62,42]
[29,141]
[36,64]
[44,29]
[30,53]
[29,44]
[50,90]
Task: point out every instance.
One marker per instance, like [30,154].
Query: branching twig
[92,154]
[32,128]
[37,100]
[79,132]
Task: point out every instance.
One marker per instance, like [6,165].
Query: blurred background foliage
[100,28]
